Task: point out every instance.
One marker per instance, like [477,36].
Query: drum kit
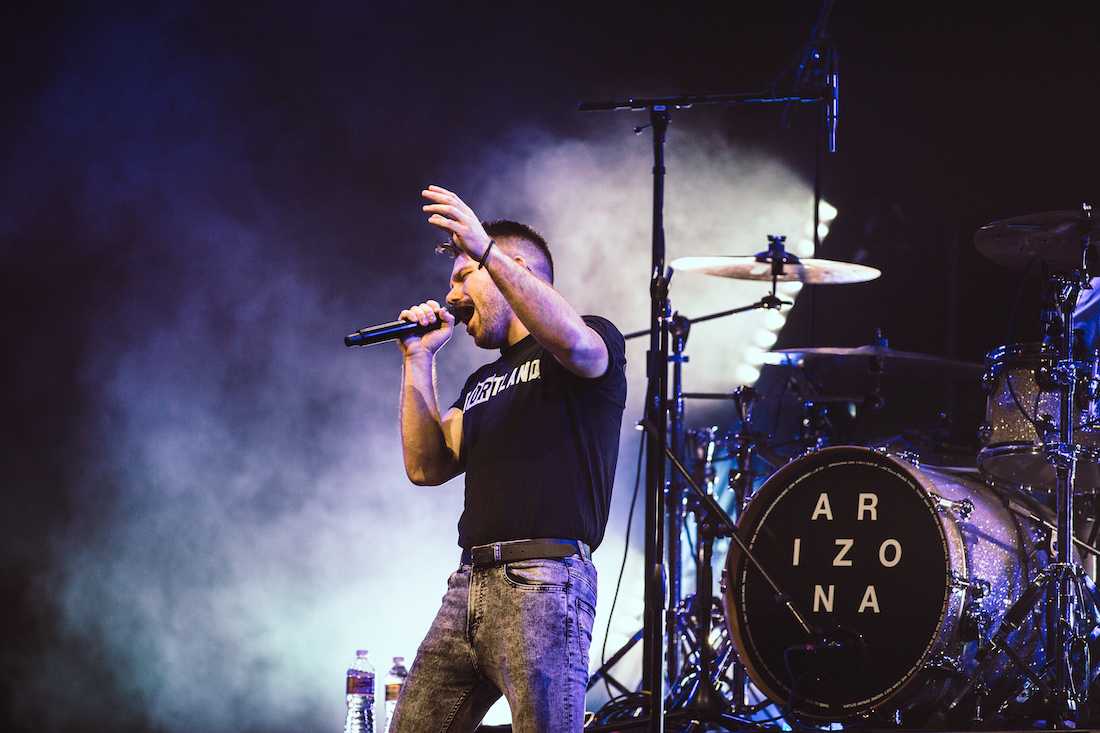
[881,581]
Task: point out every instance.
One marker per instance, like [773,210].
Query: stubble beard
[492,327]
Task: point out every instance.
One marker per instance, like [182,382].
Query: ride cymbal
[809,271]
[1052,237]
[884,359]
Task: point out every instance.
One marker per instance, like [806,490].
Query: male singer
[537,433]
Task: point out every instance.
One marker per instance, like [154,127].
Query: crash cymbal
[883,358]
[809,271]
[1052,237]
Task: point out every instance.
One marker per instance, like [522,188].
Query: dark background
[128,129]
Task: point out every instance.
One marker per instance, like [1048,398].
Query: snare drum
[1021,402]
[901,567]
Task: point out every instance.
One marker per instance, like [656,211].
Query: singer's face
[474,289]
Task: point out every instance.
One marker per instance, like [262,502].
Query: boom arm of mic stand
[722,518]
[633,104]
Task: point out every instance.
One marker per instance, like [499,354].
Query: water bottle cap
[360,652]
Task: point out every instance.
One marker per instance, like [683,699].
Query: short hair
[536,245]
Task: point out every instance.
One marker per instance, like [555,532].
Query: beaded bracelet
[481,262]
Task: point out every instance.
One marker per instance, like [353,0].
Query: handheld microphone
[393,330]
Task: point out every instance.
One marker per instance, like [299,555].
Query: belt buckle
[496,552]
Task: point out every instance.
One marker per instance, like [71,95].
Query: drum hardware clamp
[962,507]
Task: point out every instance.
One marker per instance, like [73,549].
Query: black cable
[1034,420]
[623,707]
[622,566]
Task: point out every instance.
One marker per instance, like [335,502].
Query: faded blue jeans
[522,630]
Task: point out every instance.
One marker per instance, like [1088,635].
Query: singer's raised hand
[432,341]
[454,216]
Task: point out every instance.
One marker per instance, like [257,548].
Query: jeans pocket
[583,576]
[537,575]
[586,618]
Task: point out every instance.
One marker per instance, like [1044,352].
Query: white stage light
[754,356]
[764,339]
[774,320]
[746,374]
[790,288]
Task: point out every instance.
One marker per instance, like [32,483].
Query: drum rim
[1005,449]
[951,609]
[1022,350]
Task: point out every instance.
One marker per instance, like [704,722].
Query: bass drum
[898,569]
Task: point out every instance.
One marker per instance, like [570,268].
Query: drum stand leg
[706,705]
[1065,575]
[703,700]
[1062,587]
[696,693]
[696,698]
[1062,591]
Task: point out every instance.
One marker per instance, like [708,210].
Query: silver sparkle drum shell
[1017,401]
[891,584]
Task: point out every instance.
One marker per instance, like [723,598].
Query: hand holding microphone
[421,328]
[436,326]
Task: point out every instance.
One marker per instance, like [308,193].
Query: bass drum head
[854,538]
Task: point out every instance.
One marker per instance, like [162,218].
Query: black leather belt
[502,552]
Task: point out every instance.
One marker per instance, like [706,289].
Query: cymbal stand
[743,485]
[679,328]
[702,698]
[697,687]
[1062,586]
[703,701]
[1063,578]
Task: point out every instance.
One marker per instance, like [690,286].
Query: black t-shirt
[539,444]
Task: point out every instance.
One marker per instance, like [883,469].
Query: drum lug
[978,588]
[910,457]
[722,584]
[1089,387]
[1059,454]
[989,379]
[976,620]
[1061,374]
[962,508]
[985,433]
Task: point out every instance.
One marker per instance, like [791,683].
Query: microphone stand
[704,701]
[679,329]
[656,403]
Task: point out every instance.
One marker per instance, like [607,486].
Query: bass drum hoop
[951,610]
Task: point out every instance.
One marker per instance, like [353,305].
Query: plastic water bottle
[360,691]
[394,680]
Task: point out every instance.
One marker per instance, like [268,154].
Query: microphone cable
[622,565]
